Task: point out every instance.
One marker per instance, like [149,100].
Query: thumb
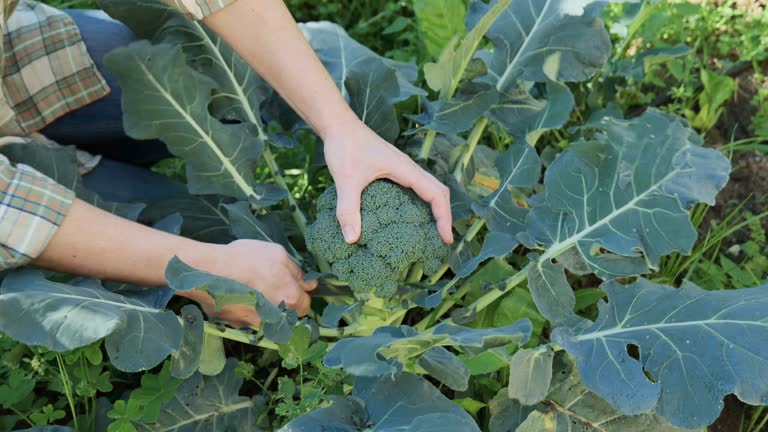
[348,211]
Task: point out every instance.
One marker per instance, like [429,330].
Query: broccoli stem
[426,146]
[416,273]
[339,332]
[474,138]
[296,213]
[238,336]
[484,301]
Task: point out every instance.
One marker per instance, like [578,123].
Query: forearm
[95,243]
[265,34]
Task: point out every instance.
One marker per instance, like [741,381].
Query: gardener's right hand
[266,267]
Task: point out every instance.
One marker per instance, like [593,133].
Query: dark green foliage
[398,232]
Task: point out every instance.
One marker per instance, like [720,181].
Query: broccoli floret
[365,272]
[334,247]
[398,232]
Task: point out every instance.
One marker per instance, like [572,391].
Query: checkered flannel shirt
[47,73]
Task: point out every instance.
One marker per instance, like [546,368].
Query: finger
[302,304]
[348,210]
[294,269]
[431,191]
[309,285]
[298,275]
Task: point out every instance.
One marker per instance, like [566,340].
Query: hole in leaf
[649,376]
[633,351]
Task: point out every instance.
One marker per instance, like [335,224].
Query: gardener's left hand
[356,156]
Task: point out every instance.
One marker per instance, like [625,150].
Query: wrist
[341,124]
[200,255]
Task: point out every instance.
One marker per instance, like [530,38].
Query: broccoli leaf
[637,66]
[158,83]
[496,244]
[439,21]
[370,83]
[697,345]
[530,34]
[186,360]
[445,75]
[519,167]
[209,403]
[569,405]
[388,404]
[144,17]
[457,115]
[621,201]
[524,115]
[245,225]
[530,373]
[63,317]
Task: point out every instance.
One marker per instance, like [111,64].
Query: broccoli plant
[498,319]
[398,237]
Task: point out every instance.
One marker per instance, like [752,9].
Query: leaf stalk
[474,138]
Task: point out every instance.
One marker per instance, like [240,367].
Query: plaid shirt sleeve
[198,9]
[47,71]
[32,207]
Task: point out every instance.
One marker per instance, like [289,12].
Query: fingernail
[349,233]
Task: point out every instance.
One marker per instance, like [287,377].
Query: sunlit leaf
[220,158]
[63,317]
[697,345]
[622,202]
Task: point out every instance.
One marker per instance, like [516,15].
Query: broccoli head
[398,232]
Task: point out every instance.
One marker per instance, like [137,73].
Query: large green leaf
[445,75]
[519,167]
[439,21]
[698,346]
[496,244]
[373,90]
[458,114]
[164,98]
[209,403]
[186,360]
[370,83]
[532,34]
[569,406]
[240,89]
[402,402]
[528,113]
[621,201]
[530,374]
[63,317]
